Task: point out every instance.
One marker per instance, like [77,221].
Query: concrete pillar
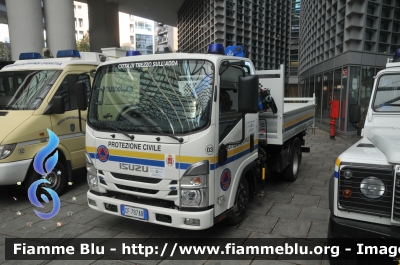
[25,24]
[60,25]
[103,25]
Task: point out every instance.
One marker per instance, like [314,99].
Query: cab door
[66,125]
[229,130]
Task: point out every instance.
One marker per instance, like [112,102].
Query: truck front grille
[135,189]
[357,202]
[141,200]
[135,178]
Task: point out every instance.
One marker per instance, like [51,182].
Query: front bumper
[177,217]
[344,228]
[14,172]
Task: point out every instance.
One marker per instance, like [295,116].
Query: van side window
[67,90]
[228,101]
[85,78]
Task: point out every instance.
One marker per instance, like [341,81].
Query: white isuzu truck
[174,139]
[365,188]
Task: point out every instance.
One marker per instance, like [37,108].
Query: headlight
[194,198]
[6,150]
[372,187]
[194,191]
[347,174]
[92,178]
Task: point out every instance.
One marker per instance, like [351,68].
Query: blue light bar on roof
[132,53]
[29,56]
[237,51]
[68,53]
[216,48]
[396,56]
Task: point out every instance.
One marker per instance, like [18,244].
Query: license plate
[134,212]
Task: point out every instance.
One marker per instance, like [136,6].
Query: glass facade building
[261,26]
[293,82]
[343,45]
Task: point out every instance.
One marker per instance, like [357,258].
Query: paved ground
[298,210]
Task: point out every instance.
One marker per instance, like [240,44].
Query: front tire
[241,204]
[57,178]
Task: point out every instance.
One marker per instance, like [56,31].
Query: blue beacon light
[216,48]
[29,56]
[68,53]
[132,53]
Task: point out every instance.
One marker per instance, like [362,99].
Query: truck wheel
[241,204]
[291,171]
[58,181]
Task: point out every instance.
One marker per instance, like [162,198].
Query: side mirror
[354,113]
[92,73]
[222,154]
[81,95]
[58,106]
[248,94]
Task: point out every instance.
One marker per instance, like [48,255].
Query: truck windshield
[387,97]
[25,90]
[173,97]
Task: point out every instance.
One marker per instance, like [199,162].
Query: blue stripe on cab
[137,161]
[336,174]
[132,160]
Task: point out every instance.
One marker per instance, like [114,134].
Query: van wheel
[57,178]
[291,171]
[241,204]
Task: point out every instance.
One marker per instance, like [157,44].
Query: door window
[67,90]
[229,115]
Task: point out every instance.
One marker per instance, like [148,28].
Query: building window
[370,22]
[144,43]
[81,23]
[382,48]
[384,25]
[132,39]
[294,66]
[370,9]
[139,24]
[368,46]
[132,17]
[148,26]
[386,12]
[368,35]
[396,27]
[132,28]
[383,37]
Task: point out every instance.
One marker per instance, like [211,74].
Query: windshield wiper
[161,132]
[132,137]
[167,134]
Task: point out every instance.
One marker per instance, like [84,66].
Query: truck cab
[35,95]
[173,139]
[364,190]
